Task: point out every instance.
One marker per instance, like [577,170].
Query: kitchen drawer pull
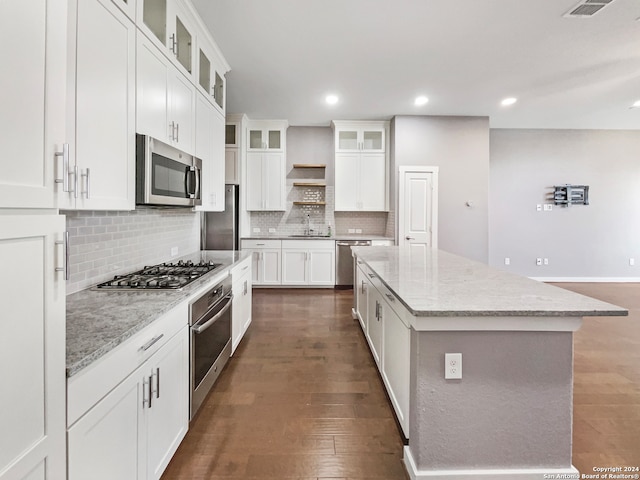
[371,275]
[245,267]
[151,342]
[390,297]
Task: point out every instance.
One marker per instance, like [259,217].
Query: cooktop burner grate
[166,276]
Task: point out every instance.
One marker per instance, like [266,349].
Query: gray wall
[580,241]
[459,146]
[512,408]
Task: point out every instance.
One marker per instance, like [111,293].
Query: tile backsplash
[107,243]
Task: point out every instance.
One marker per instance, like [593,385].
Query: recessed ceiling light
[636,104]
[421,100]
[331,99]
[508,101]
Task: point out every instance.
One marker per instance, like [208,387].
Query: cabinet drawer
[389,298]
[309,244]
[91,384]
[240,269]
[261,244]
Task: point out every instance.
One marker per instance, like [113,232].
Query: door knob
[409,238]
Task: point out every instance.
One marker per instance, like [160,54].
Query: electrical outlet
[256,229]
[452,366]
[272,230]
[546,261]
[507,261]
[539,208]
[538,261]
[351,230]
[548,207]
[358,230]
[174,251]
[632,262]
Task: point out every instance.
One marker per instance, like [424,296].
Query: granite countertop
[440,284]
[100,320]
[350,236]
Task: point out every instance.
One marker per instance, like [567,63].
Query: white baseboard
[587,279]
[504,474]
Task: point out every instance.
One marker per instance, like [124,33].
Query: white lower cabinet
[32,348]
[389,338]
[308,262]
[361,292]
[374,324]
[241,308]
[396,362]
[266,263]
[136,428]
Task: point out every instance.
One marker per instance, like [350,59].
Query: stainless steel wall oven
[210,345]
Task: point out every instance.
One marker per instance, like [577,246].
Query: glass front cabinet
[359,137]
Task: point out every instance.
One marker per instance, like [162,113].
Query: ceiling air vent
[587,8]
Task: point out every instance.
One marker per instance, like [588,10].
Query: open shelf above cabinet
[308,165]
[309,203]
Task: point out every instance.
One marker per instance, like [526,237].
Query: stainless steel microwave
[166,176]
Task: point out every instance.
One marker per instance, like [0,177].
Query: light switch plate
[256,229]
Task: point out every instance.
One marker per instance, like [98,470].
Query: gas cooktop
[165,276]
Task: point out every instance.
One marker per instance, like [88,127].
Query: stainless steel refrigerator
[220,229]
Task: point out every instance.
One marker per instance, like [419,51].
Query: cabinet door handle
[88,180]
[371,275]
[65,167]
[150,389]
[158,382]
[363,286]
[174,44]
[390,297]
[65,255]
[246,287]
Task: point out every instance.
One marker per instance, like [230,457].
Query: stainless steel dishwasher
[344,261]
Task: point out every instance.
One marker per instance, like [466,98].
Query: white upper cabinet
[267,135]
[211,73]
[210,149]
[32,95]
[181,32]
[361,166]
[360,136]
[101,108]
[167,24]
[165,99]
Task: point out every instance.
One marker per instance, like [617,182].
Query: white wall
[593,241]
[460,147]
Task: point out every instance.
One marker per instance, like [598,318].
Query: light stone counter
[349,236]
[440,284]
[100,320]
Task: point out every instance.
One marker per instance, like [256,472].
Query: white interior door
[418,207]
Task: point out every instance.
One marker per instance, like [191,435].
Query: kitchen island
[510,414]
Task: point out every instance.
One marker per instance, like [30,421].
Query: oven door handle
[201,328]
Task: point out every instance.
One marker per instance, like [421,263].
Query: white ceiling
[465,55]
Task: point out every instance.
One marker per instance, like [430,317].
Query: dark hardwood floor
[301,398]
[606,393]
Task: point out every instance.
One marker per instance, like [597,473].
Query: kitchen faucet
[309,229]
